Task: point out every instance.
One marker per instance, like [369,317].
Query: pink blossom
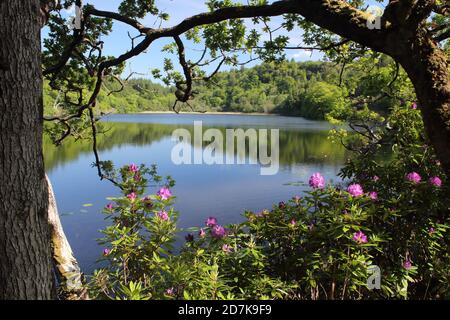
[435,181]
[293,222]
[407,264]
[375,178]
[373,195]
[137,178]
[218,231]
[317,181]
[132,196]
[164,193]
[202,233]
[133,168]
[106,252]
[414,106]
[109,206]
[414,177]
[226,248]
[163,215]
[431,230]
[355,190]
[211,221]
[360,237]
[170,291]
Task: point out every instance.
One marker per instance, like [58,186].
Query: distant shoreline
[210,112]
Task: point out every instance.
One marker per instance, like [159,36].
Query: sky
[118,41]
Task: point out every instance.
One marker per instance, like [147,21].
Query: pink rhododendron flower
[137,178]
[218,231]
[431,230]
[109,206]
[373,195]
[164,193]
[293,222]
[226,248]
[435,181]
[202,233]
[106,252]
[360,237]
[414,106]
[413,177]
[355,190]
[132,196]
[317,181]
[407,264]
[211,222]
[163,215]
[375,178]
[170,291]
[133,168]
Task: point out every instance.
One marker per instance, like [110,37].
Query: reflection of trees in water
[116,135]
[310,147]
[295,146]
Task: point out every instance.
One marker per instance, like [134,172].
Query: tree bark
[428,68]
[25,252]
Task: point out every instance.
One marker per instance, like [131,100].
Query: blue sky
[118,42]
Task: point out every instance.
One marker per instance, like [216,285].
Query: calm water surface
[224,191]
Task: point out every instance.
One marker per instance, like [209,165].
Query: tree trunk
[25,252]
[70,278]
[428,68]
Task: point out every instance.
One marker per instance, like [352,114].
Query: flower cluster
[163,215]
[317,181]
[355,190]
[360,237]
[415,178]
[164,193]
[217,231]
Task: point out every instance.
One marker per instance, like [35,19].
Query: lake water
[224,191]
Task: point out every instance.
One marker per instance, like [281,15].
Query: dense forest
[315,90]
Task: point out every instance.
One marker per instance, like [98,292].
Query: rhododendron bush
[318,245]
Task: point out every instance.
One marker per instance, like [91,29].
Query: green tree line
[313,89]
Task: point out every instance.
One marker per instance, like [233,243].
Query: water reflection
[297,145]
